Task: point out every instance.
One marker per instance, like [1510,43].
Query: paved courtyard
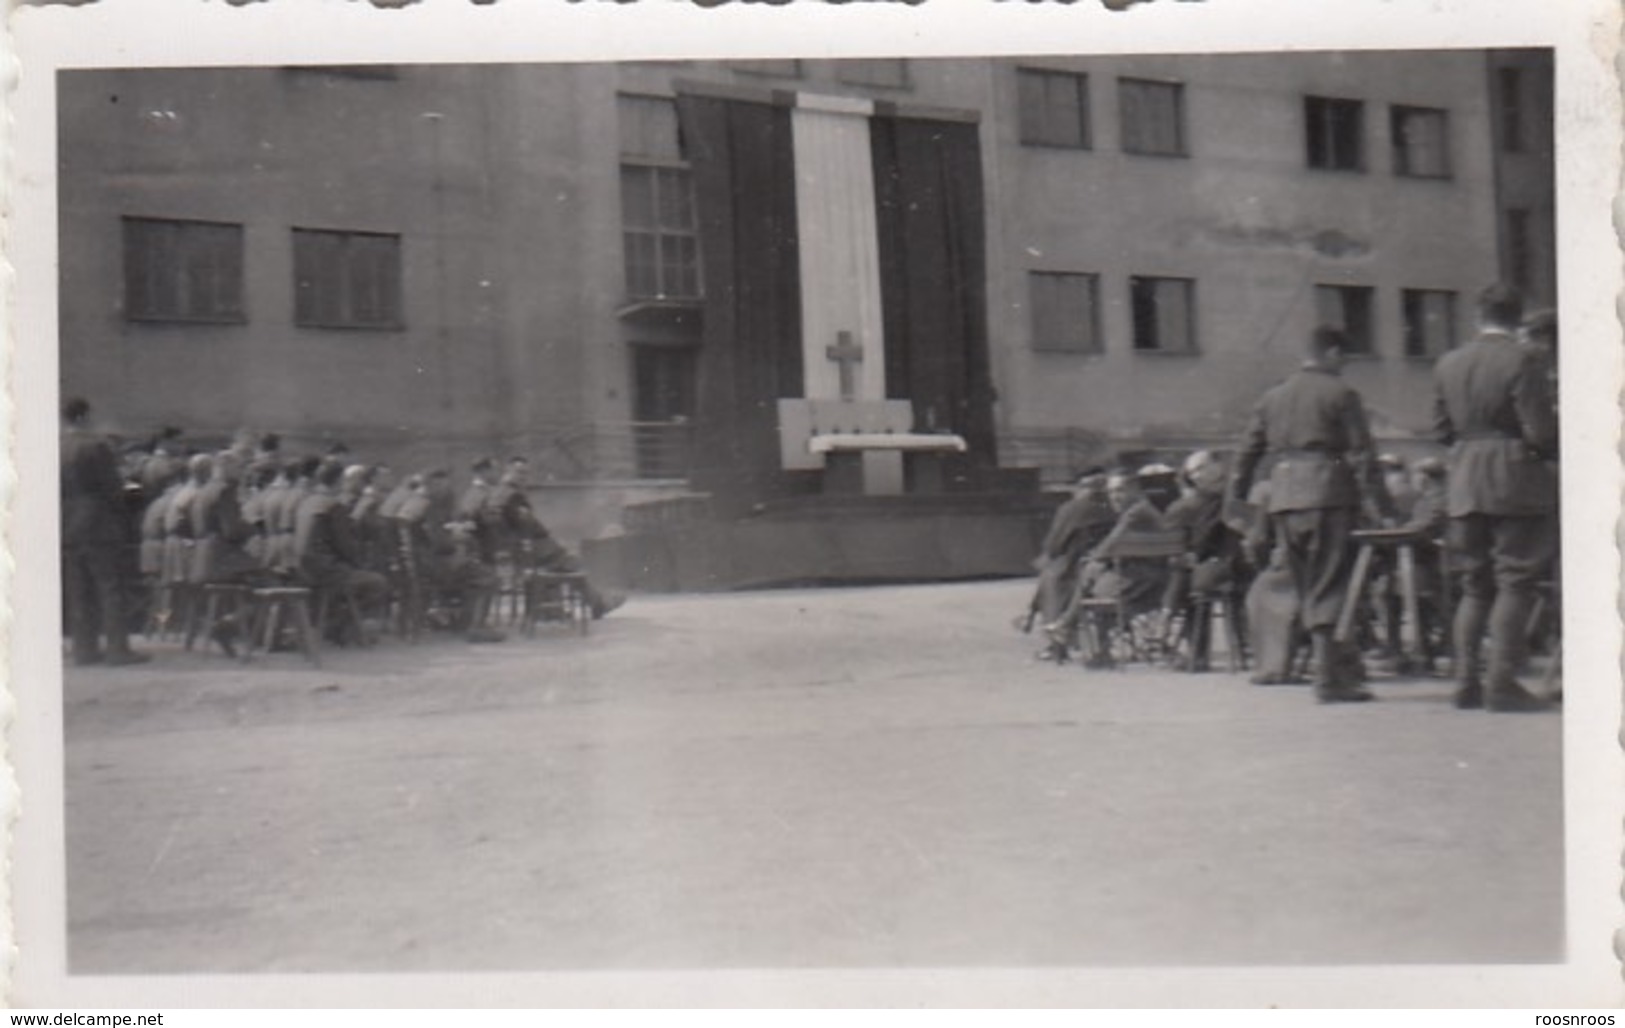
[876,777]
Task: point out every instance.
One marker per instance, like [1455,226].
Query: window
[346,279]
[649,126]
[1065,312]
[887,72]
[1053,108]
[663,402]
[1509,82]
[1430,321]
[1163,314]
[1421,142]
[788,68]
[659,233]
[1519,248]
[1334,131]
[183,271]
[1153,115]
[1347,308]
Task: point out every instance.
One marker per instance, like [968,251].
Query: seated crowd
[378,552]
[1144,553]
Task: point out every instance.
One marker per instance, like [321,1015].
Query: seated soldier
[221,555]
[445,563]
[1078,526]
[1136,584]
[329,558]
[1213,559]
[514,528]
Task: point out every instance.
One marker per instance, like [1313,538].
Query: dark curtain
[928,190]
[742,155]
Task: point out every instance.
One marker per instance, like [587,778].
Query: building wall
[1245,218]
[503,182]
[475,178]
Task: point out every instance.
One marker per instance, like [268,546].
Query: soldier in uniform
[94,534]
[428,516]
[1494,408]
[1314,426]
[1078,525]
[512,525]
[328,554]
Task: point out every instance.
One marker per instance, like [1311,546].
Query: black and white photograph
[907,516]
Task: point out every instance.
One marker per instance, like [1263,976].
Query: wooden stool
[219,600]
[556,596]
[271,604]
[1403,542]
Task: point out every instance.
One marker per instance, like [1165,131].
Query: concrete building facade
[431,262]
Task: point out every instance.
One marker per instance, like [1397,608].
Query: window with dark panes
[886,72]
[659,232]
[1164,314]
[1065,311]
[1348,308]
[1053,108]
[1153,117]
[183,271]
[347,279]
[1421,137]
[1334,133]
[1430,321]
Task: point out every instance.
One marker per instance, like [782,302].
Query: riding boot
[1471,615]
[1332,682]
[1508,621]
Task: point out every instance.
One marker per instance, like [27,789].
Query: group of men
[246,515]
[1308,462]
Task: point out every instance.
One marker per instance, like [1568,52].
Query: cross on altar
[846,354]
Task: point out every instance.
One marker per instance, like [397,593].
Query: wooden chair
[1116,637]
[559,596]
[271,605]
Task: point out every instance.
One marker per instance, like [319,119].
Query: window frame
[659,233]
[1192,346]
[1410,301]
[1025,128]
[174,276]
[1368,308]
[1325,106]
[1176,89]
[1091,343]
[394,295]
[1402,162]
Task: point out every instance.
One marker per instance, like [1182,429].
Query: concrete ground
[874,777]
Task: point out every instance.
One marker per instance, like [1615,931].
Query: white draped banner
[839,249]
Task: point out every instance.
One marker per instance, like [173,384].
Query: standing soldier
[93,534]
[1493,407]
[1314,427]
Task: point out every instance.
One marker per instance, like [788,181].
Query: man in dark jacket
[1078,525]
[329,555]
[94,532]
[1493,407]
[1313,425]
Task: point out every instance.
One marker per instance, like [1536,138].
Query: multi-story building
[431,262]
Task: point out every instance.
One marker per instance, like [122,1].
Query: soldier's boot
[1472,613]
[1508,620]
[1333,684]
